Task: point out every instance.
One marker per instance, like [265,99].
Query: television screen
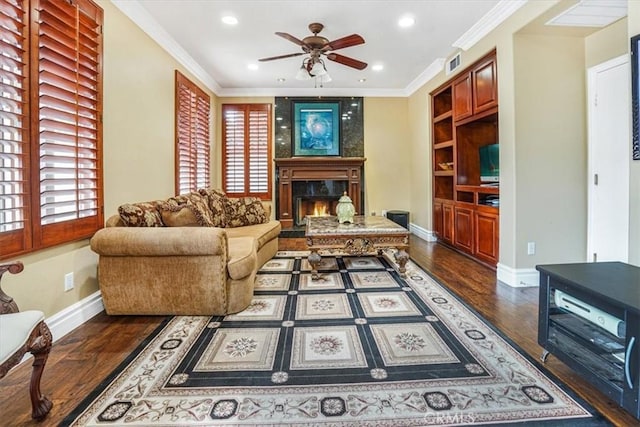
[635,94]
[490,163]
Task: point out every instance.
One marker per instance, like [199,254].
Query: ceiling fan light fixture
[318,69]
[303,74]
[325,78]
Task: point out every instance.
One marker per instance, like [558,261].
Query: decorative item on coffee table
[345,209]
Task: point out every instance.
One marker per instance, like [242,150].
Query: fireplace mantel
[316,168]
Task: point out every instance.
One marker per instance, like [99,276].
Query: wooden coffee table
[367,234]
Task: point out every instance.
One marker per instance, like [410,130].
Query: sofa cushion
[242,211]
[144,214]
[217,201]
[242,257]
[263,233]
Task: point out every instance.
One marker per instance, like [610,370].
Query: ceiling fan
[317,46]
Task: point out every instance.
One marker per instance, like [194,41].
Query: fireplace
[313,186]
[315,198]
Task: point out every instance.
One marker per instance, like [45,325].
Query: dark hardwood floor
[82,359]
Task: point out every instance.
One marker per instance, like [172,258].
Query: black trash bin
[399,217]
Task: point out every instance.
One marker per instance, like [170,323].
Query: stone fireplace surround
[313,170]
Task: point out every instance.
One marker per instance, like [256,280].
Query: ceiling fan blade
[293,39]
[348,41]
[345,60]
[271,58]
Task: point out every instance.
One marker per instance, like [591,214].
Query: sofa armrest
[160,241]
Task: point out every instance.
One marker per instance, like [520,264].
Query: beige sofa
[164,257]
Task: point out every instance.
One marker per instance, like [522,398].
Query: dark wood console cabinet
[466,212]
[589,318]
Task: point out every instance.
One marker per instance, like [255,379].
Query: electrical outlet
[68,281]
[373,213]
[531,248]
[384,212]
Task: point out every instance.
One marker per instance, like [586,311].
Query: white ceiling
[220,54]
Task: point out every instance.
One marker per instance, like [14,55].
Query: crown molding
[142,19]
[432,70]
[498,14]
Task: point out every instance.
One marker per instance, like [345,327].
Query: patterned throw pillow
[178,216]
[184,210]
[144,214]
[245,211]
[217,205]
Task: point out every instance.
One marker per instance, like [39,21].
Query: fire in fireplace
[316,198]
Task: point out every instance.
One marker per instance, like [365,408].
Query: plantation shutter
[247,150]
[14,128]
[233,150]
[259,151]
[193,115]
[69,129]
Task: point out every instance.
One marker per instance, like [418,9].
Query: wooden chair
[21,332]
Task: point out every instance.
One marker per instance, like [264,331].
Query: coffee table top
[362,225]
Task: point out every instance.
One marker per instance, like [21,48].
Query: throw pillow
[217,201]
[243,211]
[178,216]
[187,210]
[144,214]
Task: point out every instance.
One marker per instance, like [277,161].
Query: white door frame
[591,95]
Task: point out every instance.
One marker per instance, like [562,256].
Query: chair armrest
[160,241]
[7,304]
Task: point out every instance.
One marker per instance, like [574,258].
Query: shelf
[443,173]
[478,189]
[443,116]
[444,144]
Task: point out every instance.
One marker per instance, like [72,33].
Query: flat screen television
[490,163]
[635,94]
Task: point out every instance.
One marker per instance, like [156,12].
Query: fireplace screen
[316,198]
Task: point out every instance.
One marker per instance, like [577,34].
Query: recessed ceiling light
[406,21]
[362,80]
[230,20]
[377,67]
[252,67]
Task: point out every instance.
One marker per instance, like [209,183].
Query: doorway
[609,156]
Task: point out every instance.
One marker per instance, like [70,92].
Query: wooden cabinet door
[462,105]
[486,236]
[485,86]
[463,232]
[437,219]
[447,223]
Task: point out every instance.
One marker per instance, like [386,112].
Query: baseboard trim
[423,233]
[518,278]
[75,315]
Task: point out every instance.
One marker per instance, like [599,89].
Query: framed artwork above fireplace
[316,129]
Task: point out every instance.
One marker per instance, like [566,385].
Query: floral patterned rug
[361,346]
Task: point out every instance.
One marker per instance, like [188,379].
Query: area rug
[360,347]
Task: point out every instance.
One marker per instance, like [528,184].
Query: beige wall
[550,105]
[387,148]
